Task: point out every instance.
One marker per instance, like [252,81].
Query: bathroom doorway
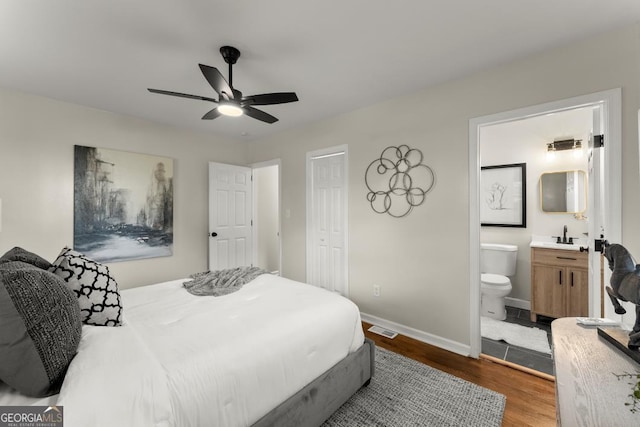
[526,119]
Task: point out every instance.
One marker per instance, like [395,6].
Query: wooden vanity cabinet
[559,283]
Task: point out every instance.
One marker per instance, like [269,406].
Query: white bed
[184,360]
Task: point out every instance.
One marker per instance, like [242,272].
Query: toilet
[497,262]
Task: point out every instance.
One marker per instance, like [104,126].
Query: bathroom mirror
[563,192]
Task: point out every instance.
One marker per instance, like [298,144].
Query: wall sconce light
[565,144]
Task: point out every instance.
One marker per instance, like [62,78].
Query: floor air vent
[384,332]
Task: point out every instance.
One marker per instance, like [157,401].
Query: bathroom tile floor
[522,356]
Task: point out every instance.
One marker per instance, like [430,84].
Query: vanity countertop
[550,242]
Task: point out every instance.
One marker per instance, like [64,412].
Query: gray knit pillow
[40,328]
[19,254]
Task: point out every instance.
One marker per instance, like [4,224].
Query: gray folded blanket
[221,282]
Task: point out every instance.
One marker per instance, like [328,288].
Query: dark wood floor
[530,399]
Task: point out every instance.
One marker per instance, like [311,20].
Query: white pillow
[97,291]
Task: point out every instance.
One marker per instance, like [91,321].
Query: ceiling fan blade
[259,114]
[182,95]
[217,82]
[211,114]
[270,98]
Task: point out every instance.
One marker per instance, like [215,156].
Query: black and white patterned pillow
[96,289]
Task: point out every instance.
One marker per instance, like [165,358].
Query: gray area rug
[404,392]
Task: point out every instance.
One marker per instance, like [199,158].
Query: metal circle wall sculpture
[398,181]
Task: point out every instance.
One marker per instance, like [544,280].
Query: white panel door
[595,210]
[327,221]
[230,228]
[597,214]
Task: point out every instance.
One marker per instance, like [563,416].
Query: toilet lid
[495,279]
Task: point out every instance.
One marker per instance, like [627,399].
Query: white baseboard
[518,303]
[425,337]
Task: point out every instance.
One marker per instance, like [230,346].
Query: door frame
[612,110]
[324,152]
[253,166]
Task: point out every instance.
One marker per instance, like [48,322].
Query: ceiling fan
[230,101]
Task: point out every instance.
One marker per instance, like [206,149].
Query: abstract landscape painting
[123,204]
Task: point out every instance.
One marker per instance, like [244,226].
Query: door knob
[214,234]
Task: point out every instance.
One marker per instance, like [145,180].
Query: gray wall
[37,136]
[421,261]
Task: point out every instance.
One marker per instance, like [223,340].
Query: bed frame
[312,405]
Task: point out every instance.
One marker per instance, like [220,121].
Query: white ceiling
[337,55]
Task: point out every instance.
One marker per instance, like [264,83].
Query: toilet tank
[498,258]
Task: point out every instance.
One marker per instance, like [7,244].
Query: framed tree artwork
[123,204]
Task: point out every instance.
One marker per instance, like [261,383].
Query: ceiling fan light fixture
[230,109]
[230,101]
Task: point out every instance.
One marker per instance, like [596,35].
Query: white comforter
[184,360]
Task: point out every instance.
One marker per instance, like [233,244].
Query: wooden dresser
[559,283]
[587,391]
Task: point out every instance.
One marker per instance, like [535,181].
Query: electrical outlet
[376,290]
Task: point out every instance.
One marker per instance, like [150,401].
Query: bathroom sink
[554,245]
